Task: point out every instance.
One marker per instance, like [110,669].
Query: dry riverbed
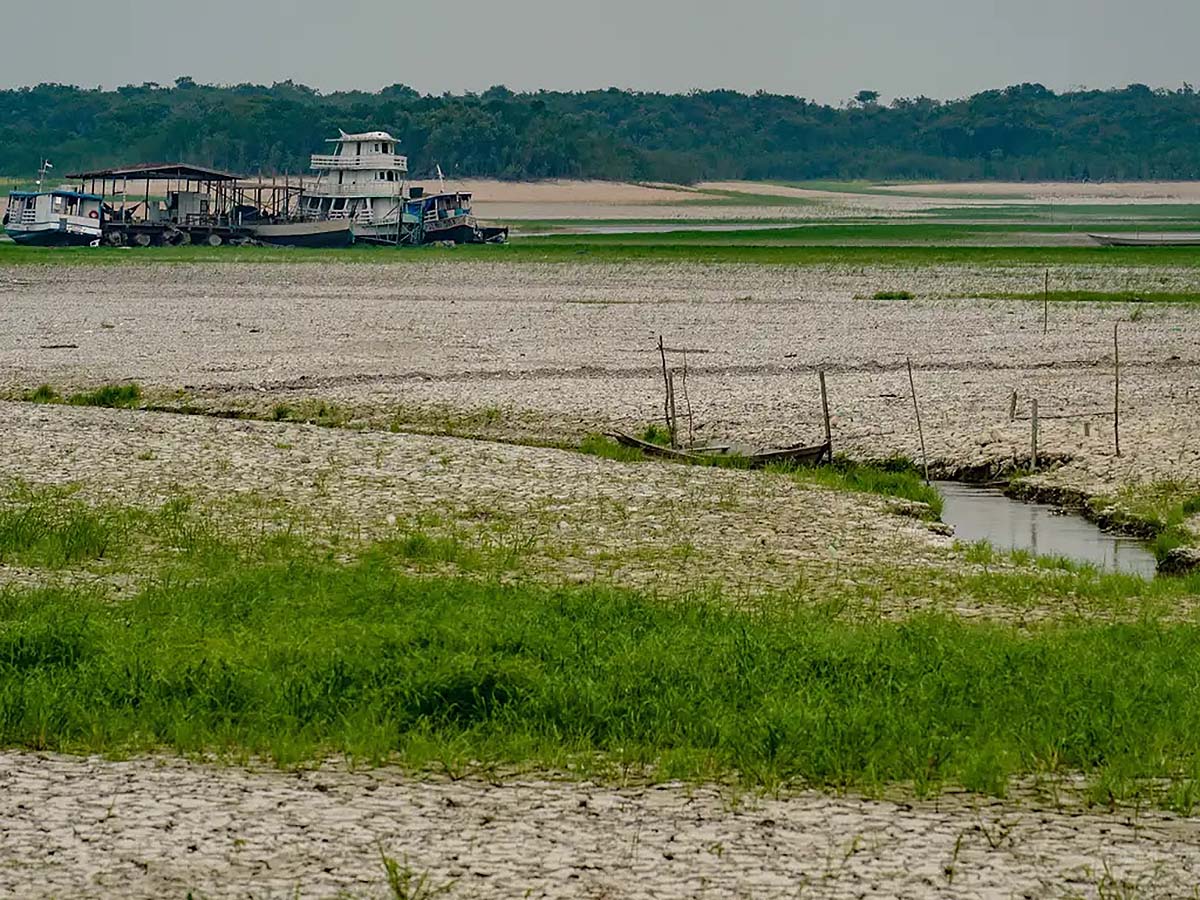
[551,352]
[79,827]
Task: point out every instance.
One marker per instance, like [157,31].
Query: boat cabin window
[339,203]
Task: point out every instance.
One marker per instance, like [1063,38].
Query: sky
[824,50]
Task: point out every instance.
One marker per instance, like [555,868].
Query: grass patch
[894,295]
[42,394]
[881,248]
[112,396]
[298,655]
[53,529]
[898,478]
[1160,511]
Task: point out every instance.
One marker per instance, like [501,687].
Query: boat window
[339,203]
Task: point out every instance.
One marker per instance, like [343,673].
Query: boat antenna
[42,172]
[441,179]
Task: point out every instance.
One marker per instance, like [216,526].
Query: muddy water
[985,514]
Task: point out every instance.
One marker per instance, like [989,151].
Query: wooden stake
[687,402]
[825,413]
[1116,389]
[917,409]
[674,415]
[1033,435]
[667,390]
[1012,408]
[1046,306]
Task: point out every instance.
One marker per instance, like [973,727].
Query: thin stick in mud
[1033,434]
[662,351]
[917,409]
[825,413]
[1116,388]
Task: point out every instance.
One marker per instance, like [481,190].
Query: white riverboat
[365,181]
[59,218]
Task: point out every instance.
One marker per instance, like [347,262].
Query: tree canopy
[1023,132]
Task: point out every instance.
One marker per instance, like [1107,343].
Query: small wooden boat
[1138,239]
[798,454]
[328,233]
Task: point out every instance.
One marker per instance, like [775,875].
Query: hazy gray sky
[821,49]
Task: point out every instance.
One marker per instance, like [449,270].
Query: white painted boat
[60,218]
[328,233]
[1147,239]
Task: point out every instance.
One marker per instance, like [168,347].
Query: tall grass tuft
[113,396]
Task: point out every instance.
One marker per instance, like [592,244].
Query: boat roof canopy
[63,193]
[158,172]
[364,136]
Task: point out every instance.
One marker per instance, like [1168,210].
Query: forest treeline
[1024,132]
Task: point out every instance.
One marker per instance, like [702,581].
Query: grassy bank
[753,248]
[246,634]
[272,646]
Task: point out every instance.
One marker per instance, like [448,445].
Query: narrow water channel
[986,514]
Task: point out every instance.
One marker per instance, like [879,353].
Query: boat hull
[54,236]
[1147,240]
[323,234]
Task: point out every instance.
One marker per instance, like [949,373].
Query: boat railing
[390,189]
[377,161]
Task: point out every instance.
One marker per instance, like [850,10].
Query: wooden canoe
[800,454]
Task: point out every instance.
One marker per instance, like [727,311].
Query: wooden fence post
[674,414]
[662,351]
[1116,389]
[1046,306]
[917,409]
[825,413]
[1033,435]
[1012,408]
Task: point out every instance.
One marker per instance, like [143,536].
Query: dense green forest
[1022,132]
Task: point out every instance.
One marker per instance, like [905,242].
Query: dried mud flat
[556,351]
[569,517]
[553,351]
[77,827]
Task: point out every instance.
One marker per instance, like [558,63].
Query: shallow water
[986,514]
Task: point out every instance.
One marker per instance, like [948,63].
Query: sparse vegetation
[112,396]
[893,295]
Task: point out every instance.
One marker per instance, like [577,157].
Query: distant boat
[61,218]
[1137,239]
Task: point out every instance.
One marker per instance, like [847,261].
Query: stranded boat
[1138,239]
[59,218]
[365,182]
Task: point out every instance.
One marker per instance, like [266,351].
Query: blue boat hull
[50,238]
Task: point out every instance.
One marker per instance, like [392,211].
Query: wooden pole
[1046,306]
[917,409]
[825,413]
[674,414]
[687,401]
[1033,435]
[1116,389]
[667,388]
[1012,408]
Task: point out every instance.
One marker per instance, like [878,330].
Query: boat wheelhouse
[364,181]
[60,218]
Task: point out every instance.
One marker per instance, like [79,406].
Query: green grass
[113,396]
[893,478]
[893,295]
[1159,510]
[258,641]
[294,654]
[758,248]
